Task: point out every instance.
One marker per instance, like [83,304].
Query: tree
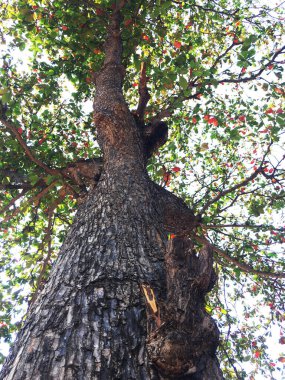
[175,108]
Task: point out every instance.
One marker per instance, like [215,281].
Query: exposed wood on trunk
[185,342]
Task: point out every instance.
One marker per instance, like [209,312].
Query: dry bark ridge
[89,321]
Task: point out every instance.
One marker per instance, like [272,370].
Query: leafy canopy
[214,71]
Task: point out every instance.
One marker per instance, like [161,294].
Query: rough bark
[182,344]
[90,320]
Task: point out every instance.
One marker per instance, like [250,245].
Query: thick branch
[244,225]
[18,136]
[84,172]
[113,45]
[244,267]
[231,189]
[144,94]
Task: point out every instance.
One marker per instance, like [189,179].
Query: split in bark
[183,341]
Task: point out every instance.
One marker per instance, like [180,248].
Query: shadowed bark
[184,342]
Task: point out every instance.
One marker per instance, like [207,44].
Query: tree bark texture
[93,319]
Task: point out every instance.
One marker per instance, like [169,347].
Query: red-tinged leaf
[282,340]
[241,118]
[194,120]
[206,117]
[279,90]
[271,170]
[99,12]
[177,44]
[20,130]
[254,288]
[280,110]
[272,364]
[128,22]
[213,121]
[269,110]
[167,178]
[257,354]
[235,41]
[176,169]
[187,26]
[243,70]
[270,67]
[281,359]
[64,27]
[145,37]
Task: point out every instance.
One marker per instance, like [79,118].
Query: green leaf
[183,83]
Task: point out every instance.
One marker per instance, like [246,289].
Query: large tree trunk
[112,309]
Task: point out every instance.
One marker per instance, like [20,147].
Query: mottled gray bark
[90,321]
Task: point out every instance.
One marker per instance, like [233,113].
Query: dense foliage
[215,74]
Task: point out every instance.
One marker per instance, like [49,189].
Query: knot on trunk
[154,134]
[187,337]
